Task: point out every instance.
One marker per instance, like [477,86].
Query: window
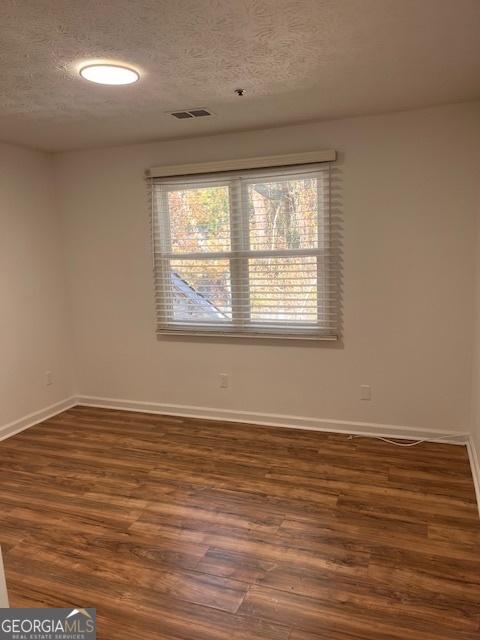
[246,252]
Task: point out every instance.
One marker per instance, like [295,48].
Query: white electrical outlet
[48,378]
[365,392]
[224,381]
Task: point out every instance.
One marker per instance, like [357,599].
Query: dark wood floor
[187,529]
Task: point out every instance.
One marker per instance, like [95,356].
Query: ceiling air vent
[199,112]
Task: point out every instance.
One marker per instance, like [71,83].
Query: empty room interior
[240,319]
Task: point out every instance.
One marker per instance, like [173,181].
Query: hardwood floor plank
[403,511]
[413,604]
[466,571]
[230,564]
[350,616]
[464,535]
[374,535]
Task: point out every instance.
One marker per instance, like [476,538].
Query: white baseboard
[373,429]
[277,420]
[8,430]
[475,466]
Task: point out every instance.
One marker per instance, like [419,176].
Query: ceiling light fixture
[112,74]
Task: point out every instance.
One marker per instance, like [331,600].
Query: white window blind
[246,253]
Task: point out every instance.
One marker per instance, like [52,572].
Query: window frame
[241,323]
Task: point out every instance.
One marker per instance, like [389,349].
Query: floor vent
[199,112]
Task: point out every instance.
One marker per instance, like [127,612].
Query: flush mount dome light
[109,74]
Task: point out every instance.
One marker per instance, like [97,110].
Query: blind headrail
[259,162]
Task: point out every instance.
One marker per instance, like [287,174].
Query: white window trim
[258,162]
[251,331]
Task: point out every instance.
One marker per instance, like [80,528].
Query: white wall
[409,191]
[34,326]
[475,425]
[475,405]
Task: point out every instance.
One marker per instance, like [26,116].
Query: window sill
[318,337]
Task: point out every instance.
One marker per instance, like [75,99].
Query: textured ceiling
[298,60]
